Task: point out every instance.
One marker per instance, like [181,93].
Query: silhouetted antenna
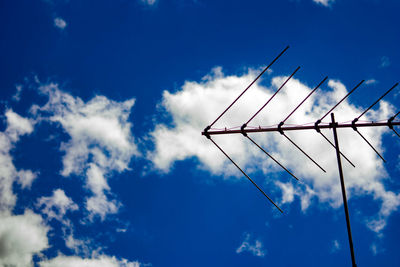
[317,126]
[396,115]
[376,151]
[379,99]
[341,101]
[390,124]
[270,64]
[365,111]
[291,141]
[351,163]
[246,175]
[291,113]
[269,100]
[343,187]
[269,155]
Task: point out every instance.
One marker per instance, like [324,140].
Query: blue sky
[102,105]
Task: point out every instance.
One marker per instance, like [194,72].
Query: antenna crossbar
[298,127]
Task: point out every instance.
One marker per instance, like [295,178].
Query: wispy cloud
[385,62]
[56,205]
[326,3]
[101,141]
[149,2]
[371,81]
[254,247]
[335,246]
[376,249]
[17,96]
[60,23]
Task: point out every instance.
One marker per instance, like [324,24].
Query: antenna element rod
[373,148]
[270,64]
[342,100]
[303,151]
[335,148]
[247,176]
[378,101]
[277,162]
[272,96]
[306,98]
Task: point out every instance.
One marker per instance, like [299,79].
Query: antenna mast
[318,125]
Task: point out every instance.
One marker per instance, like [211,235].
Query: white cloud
[80,246]
[326,3]
[101,261]
[60,23]
[199,103]
[16,127]
[255,248]
[56,205]
[101,141]
[371,81]
[99,204]
[25,178]
[385,62]
[21,237]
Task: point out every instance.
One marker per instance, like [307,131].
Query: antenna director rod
[377,101]
[305,99]
[300,127]
[246,176]
[341,100]
[291,75]
[270,64]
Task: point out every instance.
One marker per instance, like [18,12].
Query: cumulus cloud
[100,142]
[21,237]
[60,23]
[199,103]
[326,3]
[255,248]
[101,261]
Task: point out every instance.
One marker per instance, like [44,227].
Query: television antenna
[319,125]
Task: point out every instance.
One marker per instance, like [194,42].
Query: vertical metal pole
[346,210]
